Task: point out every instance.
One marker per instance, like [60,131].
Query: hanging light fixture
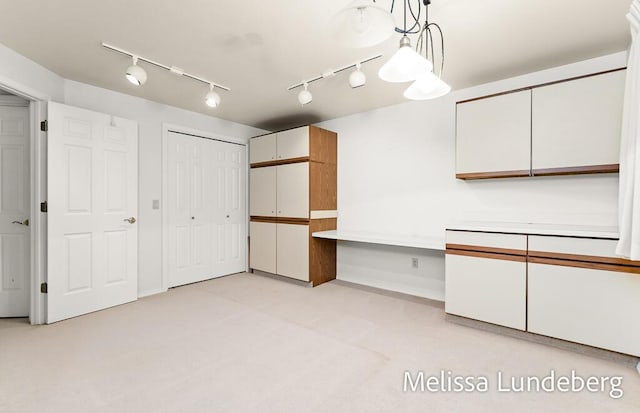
[357,78]
[427,84]
[305,97]
[212,99]
[135,74]
[406,64]
[362,24]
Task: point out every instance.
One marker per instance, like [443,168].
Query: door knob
[131,220]
[25,222]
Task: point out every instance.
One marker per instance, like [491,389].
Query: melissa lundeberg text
[448,382]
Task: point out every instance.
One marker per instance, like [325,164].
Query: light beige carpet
[248,343]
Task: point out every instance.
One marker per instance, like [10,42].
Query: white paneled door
[14,211]
[206,208]
[92,208]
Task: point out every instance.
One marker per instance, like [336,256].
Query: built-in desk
[431,243]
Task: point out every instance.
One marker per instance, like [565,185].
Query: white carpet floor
[248,343]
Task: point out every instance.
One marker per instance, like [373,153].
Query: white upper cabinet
[262,149]
[290,144]
[262,191]
[293,143]
[577,123]
[292,190]
[493,136]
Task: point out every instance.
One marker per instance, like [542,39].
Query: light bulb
[360,20]
[362,23]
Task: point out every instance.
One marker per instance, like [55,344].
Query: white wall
[150,117]
[396,175]
[24,75]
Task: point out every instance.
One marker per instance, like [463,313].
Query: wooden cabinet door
[262,148]
[293,143]
[493,137]
[293,190]
[577,123]
[262,247]
[594,307]
[486,289]
[262,191]
[293,251]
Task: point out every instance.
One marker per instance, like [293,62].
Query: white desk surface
[432,243]
[528,228]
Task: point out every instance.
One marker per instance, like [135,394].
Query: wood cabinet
[488,143]
[566,127]
[486,277]
[293,192]
[568,287]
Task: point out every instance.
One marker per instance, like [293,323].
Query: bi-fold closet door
[206,208]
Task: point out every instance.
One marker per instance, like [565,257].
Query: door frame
[37,193]
[169,127]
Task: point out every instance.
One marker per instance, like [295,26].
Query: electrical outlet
[414,262]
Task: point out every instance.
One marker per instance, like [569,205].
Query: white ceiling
[259,48]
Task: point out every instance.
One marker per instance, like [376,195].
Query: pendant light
[427,85]
[135,74]
[362,24]
[406,64]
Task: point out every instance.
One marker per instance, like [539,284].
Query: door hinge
[43,206]
[43,288]
[44,125]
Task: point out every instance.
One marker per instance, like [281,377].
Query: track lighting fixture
[137,75]
[357,78]
[305,97]
[212,99]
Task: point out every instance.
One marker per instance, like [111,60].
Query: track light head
[135,74]
[305,97]
[357,77]
[212,99]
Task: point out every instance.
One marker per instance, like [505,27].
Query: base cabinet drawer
[486,289]
[588,306]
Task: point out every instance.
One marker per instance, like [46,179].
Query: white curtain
[629,197]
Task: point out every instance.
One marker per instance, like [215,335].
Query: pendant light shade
[362,24]
[135,74]
[427,86]
[405,65]
[212,99]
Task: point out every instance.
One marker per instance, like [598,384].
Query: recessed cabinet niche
[567,127]
[293,192]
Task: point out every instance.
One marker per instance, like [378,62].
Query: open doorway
[15,213]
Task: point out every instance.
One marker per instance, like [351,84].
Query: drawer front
[593,307]
[487,240]
[575,246]
[486,289]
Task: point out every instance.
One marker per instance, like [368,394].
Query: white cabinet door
[577,123]
[293,190]
[486,289]
[493,134]
[262,148]
[14,208]
[262,191]
[293,251]
[293,143]
[594,307]
[92,176]
[262,247]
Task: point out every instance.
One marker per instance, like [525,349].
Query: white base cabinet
[292,251]
[262,254]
